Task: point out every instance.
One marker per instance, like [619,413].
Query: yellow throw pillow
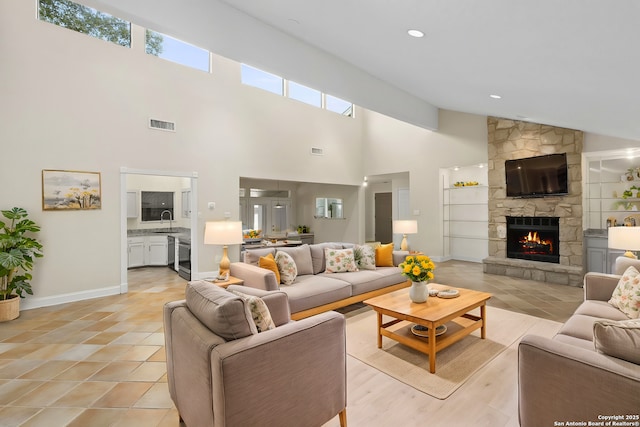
[384,255]
[269,263]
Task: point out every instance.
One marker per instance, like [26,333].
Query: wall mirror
[327,207]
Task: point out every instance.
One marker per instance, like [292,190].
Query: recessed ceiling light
[415,33]
[495,96]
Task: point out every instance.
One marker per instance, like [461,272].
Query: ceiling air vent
[317,151]
[162,125]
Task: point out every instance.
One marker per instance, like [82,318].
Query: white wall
[73,102]
[392,146]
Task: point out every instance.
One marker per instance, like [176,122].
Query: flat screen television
[537,176]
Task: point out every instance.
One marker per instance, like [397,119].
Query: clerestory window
[86,20]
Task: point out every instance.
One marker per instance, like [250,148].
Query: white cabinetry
[132,204]
[186,203]
[465,213]
[156,250]
[136,251]
[147,250]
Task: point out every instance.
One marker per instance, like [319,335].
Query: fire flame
[533,239]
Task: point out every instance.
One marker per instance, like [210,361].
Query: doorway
[383,217]
[191,220]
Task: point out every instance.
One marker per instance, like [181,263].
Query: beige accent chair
[222,372]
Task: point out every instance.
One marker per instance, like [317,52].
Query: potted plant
[17,252]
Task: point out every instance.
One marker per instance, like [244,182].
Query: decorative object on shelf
[625,238]
[17,252]
[70,190]
[223,233]
[423,331]
[418,269]
[405,227]
[465,183]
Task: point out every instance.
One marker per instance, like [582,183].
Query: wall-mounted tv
[537,176]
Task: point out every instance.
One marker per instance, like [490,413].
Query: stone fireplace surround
[512,139]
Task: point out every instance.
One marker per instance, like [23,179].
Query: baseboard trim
[34,302]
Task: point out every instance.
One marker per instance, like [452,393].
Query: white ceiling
[569,63]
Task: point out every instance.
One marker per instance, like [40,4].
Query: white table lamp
[223,233]
[405,227]
[626,238]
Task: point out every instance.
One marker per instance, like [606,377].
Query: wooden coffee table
[436,311]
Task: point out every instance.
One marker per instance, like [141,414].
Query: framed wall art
[70,190]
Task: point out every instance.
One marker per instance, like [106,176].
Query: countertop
[181,233]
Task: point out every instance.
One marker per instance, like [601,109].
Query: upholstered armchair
[222,372]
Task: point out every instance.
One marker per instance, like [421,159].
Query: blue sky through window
[305,94]
[261,79]
[175,50]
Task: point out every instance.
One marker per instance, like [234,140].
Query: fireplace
[533,238]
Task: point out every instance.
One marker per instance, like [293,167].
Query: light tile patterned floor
[101,362]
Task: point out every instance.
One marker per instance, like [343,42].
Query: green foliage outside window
[86,20]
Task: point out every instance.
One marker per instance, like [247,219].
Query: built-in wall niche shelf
[611,189]
[465,213]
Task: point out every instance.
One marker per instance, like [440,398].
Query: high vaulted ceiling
[569,63]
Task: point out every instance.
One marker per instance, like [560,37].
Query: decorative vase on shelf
[419,292]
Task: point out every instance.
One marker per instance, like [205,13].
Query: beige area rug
[454,365]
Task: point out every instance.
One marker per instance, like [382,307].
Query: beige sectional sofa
[315,290]
[576,377]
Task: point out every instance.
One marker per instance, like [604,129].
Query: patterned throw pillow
[259,311]
[365,257]
[286,267]
[626,296]
[340,260]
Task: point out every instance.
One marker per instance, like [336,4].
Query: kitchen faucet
[162,218]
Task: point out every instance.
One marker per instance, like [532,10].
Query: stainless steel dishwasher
[171,253]
[184,258]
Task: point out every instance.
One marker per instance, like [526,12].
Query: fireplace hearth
[533,238]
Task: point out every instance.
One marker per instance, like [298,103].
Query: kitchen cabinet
[186,203]
[135,251]
[147,250]
[156,250]
[132,204]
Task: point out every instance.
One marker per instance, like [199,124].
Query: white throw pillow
[340,260]
[626,296]
[259,311]
[365,257]
[286,267]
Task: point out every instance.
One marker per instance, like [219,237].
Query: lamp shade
[408,226]
[627,238]
[223,233]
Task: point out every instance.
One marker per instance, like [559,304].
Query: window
[261,79]
[338,105]
[85,20]
[275,84]
[157,205]
[174,50]
[305,94]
